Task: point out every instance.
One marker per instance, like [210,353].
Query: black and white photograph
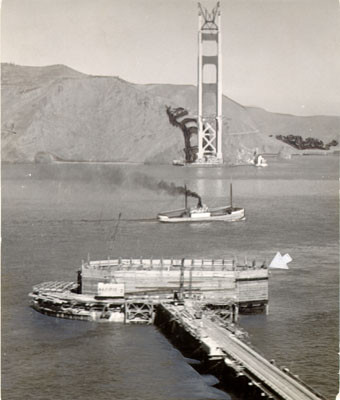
[170,199]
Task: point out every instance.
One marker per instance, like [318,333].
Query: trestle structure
[139,311]
[215,340]
[226,313]
[209,119]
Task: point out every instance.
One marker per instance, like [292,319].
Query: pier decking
[219,342]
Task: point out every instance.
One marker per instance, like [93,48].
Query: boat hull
[234,216]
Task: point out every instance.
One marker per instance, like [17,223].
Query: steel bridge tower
[209,85]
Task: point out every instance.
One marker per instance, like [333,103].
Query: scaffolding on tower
[209,118]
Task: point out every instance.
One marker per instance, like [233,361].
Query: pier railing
[230,264]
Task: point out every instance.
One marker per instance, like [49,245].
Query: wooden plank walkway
[222,343]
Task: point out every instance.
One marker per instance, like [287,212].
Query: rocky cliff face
[63,114]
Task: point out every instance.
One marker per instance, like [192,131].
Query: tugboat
[201,213]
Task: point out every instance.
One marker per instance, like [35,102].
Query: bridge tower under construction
[209,118]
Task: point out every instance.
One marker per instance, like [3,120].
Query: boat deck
[203,215]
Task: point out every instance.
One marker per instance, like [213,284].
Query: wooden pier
[220,344]
[195,302]
[215,279]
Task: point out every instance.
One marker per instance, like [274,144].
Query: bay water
[53,216]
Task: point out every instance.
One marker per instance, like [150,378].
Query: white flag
[280,262]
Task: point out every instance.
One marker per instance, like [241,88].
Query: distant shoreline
[94,162]
[270,155]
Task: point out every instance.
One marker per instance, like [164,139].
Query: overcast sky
[282,55]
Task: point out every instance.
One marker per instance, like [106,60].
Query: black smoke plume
[170,188]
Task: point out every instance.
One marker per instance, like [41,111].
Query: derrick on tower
[209,119]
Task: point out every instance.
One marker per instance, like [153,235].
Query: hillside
[60,112]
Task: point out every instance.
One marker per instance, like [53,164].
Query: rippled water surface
[54,215]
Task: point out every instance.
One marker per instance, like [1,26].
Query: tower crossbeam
[209,92]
